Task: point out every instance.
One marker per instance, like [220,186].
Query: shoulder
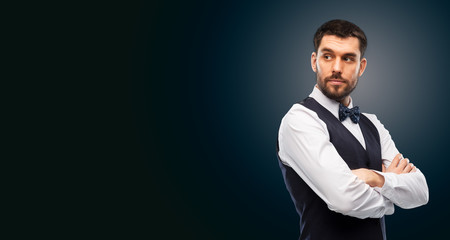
[302,118]
[374,119]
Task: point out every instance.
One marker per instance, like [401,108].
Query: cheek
[354,71]
[320,67]
[320,73]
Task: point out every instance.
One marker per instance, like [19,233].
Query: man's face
[338,66]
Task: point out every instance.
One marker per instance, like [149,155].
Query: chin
[334,94]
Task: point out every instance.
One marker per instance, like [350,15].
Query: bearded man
[341,167]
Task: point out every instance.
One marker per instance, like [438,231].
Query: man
[341,167]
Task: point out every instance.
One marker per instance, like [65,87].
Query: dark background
[199,88]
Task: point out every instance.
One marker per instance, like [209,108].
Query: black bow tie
[344,112]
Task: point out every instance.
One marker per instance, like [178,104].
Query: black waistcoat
[316,220]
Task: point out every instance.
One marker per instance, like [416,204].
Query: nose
[337,66]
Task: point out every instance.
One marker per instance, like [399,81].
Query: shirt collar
[330,104]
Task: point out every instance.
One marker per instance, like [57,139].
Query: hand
[400,165]
[370,177]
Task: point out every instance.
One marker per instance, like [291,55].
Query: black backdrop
[198,89]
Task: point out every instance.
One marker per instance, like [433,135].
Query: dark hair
[343,29]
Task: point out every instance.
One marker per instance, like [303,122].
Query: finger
[403,163]
[414,169]
[383,168]
[408,168]
[396,159]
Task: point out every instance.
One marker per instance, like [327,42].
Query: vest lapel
[346,143]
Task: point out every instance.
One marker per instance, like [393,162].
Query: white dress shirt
[304,145]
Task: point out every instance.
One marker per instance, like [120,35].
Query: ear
[362,66]
[314,61]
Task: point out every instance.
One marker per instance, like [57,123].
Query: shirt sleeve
[304,145]
[408,190]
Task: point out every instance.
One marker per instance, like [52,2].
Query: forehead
[340,45]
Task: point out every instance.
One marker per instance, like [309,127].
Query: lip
[336,81]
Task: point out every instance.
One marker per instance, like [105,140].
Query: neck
[345,101]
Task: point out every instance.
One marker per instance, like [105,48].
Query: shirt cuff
[388,188]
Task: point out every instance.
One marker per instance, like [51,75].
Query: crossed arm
[399,165]
[406,187]
[361,193]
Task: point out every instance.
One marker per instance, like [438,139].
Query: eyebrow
[346,54]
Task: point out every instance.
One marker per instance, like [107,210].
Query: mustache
[336,76]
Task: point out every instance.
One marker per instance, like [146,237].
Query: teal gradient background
[208,83]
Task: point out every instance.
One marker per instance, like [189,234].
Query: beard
[336,92]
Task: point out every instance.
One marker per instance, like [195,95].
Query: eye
[327,57]
[348,59]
